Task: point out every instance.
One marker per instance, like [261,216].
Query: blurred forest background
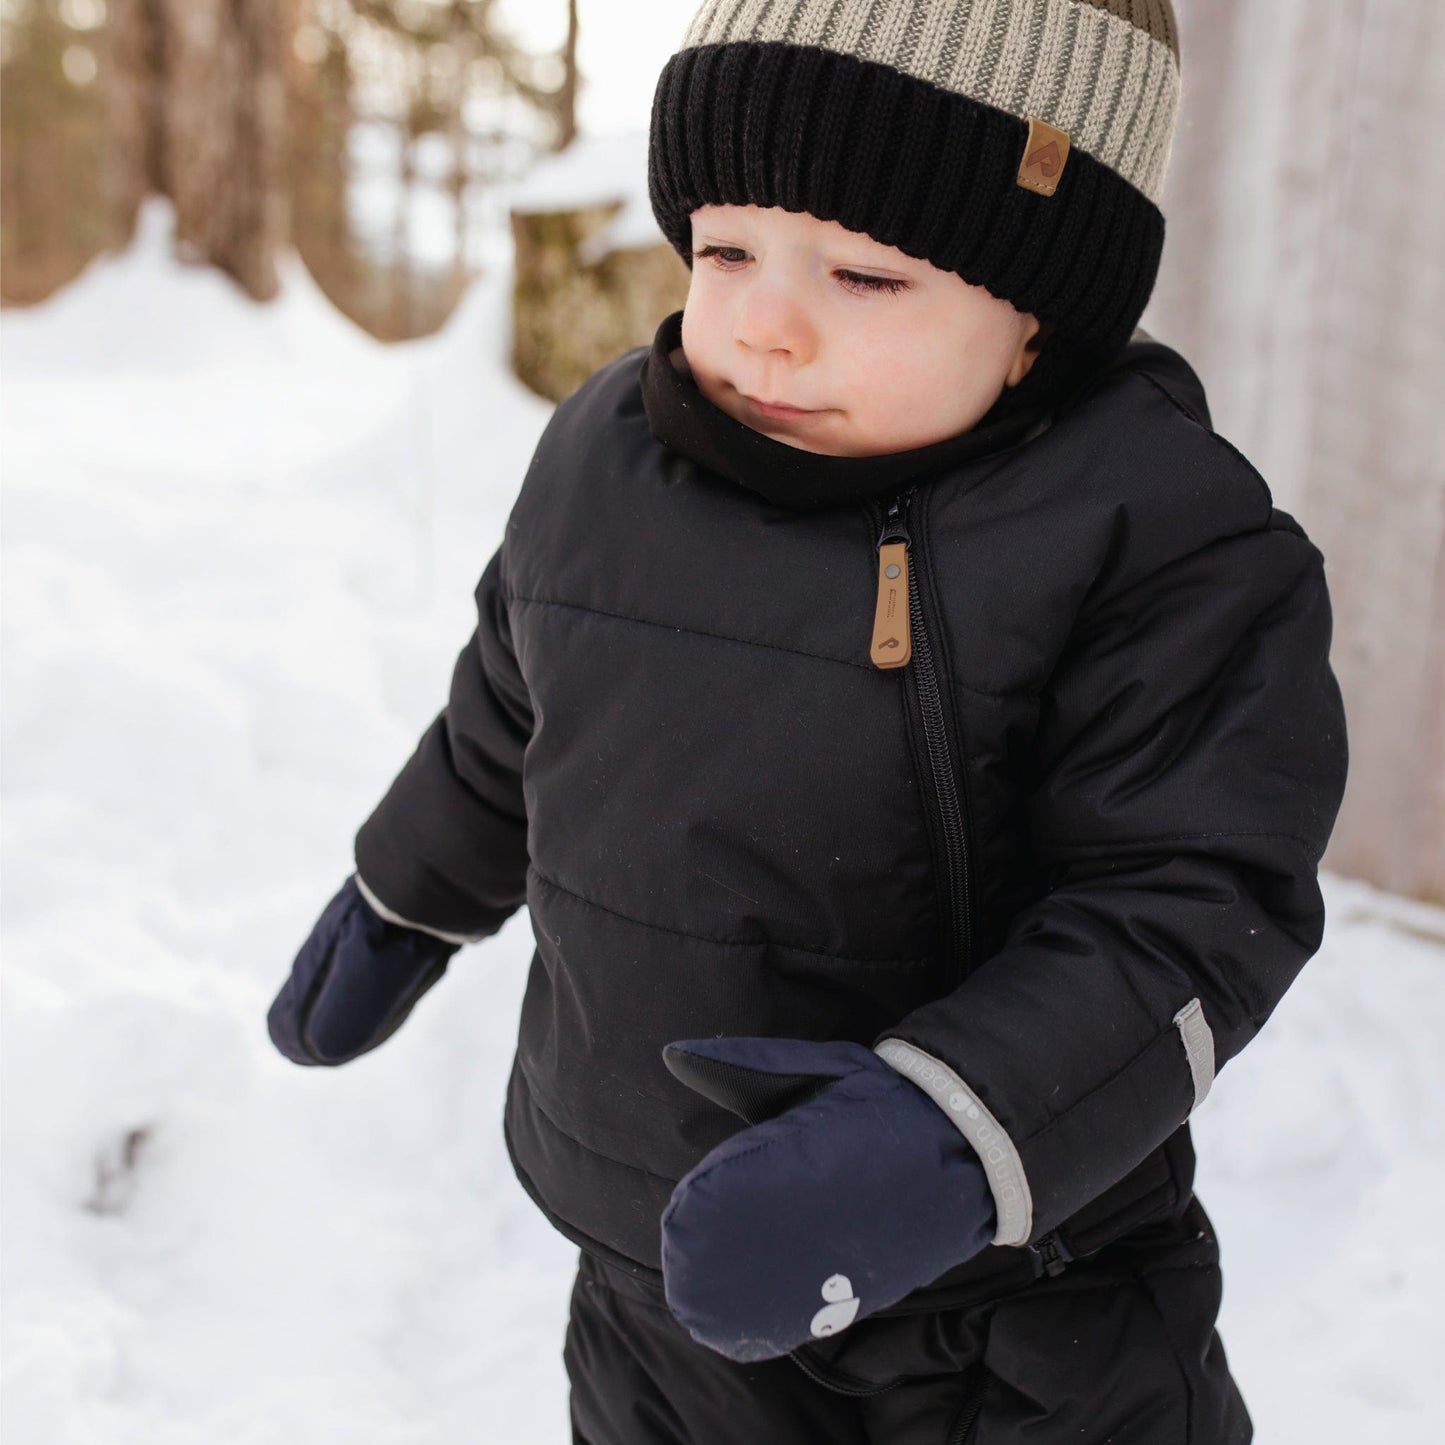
[266,121]
[1303,276]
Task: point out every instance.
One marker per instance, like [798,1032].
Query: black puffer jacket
[1067,854]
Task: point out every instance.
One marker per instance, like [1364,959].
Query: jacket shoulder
[587,425]
[583,476]
[1138,468]
[612,395]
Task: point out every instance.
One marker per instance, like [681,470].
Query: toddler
[910,728]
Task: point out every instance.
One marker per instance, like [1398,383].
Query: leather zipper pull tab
[892,623]
[892,638]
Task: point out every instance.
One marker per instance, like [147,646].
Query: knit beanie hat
[1020,143]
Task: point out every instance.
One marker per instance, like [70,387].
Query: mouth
[778,411]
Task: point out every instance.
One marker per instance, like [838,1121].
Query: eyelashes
[732,258]
[726,256]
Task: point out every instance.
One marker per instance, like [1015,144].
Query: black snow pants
[1119,1349]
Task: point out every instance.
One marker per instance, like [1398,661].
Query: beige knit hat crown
[1104,71]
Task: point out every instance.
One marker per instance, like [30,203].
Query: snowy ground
[238,549]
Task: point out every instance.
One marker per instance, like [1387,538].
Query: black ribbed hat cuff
[913,166]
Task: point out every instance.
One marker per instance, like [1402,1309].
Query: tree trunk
[199,105]
[319,119]
[464,47]
[399,319]
[129,93]
[567,97]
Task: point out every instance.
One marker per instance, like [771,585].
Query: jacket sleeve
[1186,772]
[446,848]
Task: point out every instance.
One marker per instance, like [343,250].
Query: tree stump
[586,290]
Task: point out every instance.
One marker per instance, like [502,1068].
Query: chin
[801,444]
[842,449]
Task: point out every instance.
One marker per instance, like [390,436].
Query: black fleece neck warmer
[685,421]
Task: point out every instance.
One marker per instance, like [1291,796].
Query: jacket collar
[683,420]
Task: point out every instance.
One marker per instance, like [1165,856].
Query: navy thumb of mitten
[850,1189]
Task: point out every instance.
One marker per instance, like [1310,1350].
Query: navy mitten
[354,982]
[854,1190]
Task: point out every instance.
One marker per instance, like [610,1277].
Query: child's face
[871,350]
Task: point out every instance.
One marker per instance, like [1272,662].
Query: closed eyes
[733,258]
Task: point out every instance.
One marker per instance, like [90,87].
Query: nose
[772,323]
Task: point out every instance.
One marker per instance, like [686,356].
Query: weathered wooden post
[1304,278]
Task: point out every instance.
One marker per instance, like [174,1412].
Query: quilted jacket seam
[1082,846]
[546,1113]
[692,631]
[764,942]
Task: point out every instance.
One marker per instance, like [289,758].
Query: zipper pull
[1052,1255]
[892,637]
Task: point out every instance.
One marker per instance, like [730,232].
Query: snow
[239,545]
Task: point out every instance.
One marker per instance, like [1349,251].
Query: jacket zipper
[893,647]
[963,1426]
[836,1380]
[1051,1255]
[897,591]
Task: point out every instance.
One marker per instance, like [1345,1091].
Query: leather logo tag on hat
[1045,154]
